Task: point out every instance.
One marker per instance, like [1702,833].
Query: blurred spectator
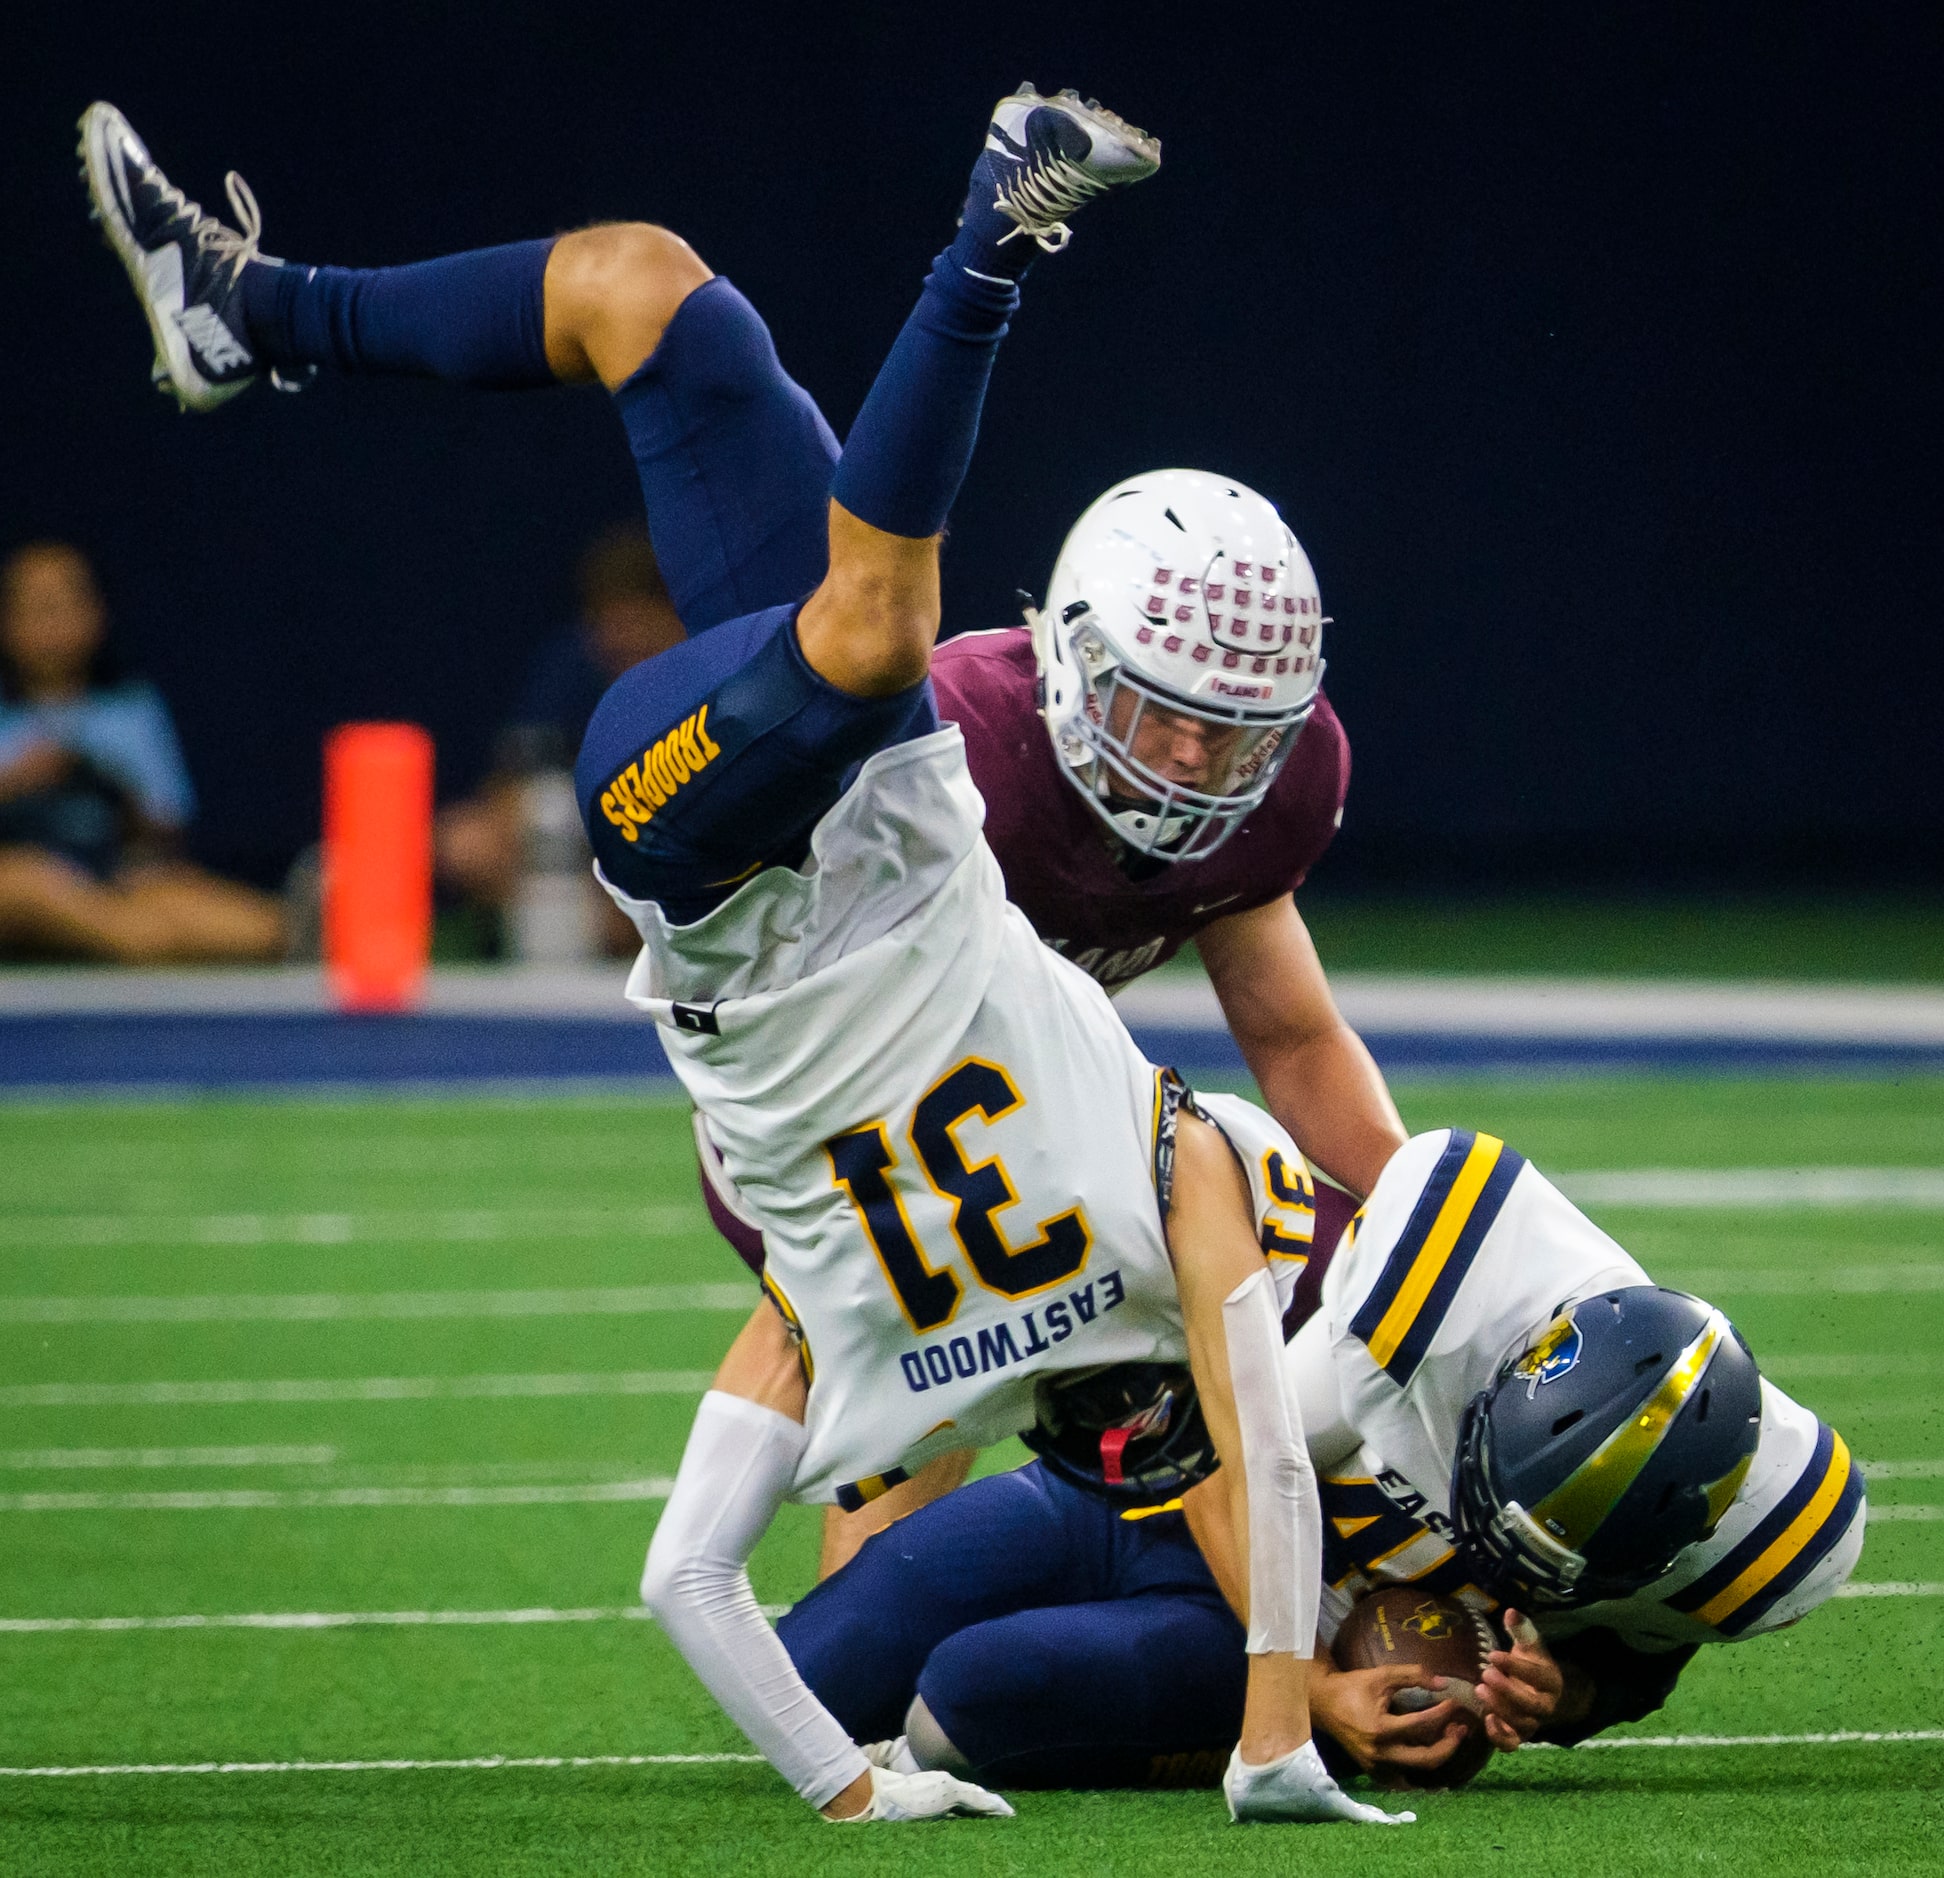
[486,843]
[94,796]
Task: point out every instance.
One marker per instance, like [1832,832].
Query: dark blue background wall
[1592,352]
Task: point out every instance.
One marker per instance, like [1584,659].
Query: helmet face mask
[1644,1432]
[1178,658]
[1128,724]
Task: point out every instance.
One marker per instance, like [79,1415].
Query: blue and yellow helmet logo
[1551,1357]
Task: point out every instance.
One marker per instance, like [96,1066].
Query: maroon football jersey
[1057,854]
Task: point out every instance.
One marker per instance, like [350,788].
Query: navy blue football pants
[720,755]
[1057,1642]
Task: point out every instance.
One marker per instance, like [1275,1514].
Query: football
[1441,1636]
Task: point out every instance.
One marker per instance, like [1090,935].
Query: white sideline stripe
[342,1620]
[319,1306]
[1758,1187]
[1836,1737]
[1928,1514]
[1903,1470]
[1893,1588]
[351,1389]
[486,1762]
[1452,1004]
[496,1762]
[267,1499]
[455,1227]
[35,1460]
[1477,1006]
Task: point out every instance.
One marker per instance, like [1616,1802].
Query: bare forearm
[1314,1072]
[1329,1093]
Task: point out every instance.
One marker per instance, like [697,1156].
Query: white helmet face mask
[1179,657]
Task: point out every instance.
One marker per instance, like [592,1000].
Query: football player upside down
[1157,758]
[842,986]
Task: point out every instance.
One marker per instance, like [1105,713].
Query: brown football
[1443,1638]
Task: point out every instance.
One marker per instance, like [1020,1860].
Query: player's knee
[617,265]
[986,1668]
[931,1747]
[870,631]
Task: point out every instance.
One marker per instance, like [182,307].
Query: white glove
[934,1795]
[1297,1787]
[896,1755]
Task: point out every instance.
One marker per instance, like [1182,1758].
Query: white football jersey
[943,1130]
[1461,1260]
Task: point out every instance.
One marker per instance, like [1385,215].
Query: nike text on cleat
[1049,156]
[1296,1788]
[183,264]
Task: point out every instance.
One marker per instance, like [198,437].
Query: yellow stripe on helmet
[1572,1512]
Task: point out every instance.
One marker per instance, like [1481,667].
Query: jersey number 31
[861,1161]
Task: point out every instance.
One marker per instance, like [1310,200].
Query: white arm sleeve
[1285,1512]
[736,1470]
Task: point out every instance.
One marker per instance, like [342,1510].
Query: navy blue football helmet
[1618,1438]
[1133,1431]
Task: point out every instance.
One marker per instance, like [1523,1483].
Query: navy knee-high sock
[908,452]
[474,318]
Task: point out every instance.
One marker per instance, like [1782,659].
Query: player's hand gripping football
[1521,1688]
[1354,1705]
[934,1795]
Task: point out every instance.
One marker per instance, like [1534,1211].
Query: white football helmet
[1181,608]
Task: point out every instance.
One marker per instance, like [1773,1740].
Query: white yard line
[36,1460]
[1880,1363]
[657,1300]
[342,1620]
[1903,1470]
[1929,1515]
[329,1306]
[1825,1281]
[491,1763]
[1837,1737]
[280,1500]
[508,1762]
[454,1226]
[523,1616]
[351,1389]
[1759,1188]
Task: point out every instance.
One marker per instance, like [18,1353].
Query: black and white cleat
[184,265]
[1048,157]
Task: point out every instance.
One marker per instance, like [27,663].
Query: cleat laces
[228,247]
[1041,195]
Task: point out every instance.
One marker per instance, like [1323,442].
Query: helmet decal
[1552,1357]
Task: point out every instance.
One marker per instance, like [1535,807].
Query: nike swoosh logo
[1208,906]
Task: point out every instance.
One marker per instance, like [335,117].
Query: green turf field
[413,1359]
